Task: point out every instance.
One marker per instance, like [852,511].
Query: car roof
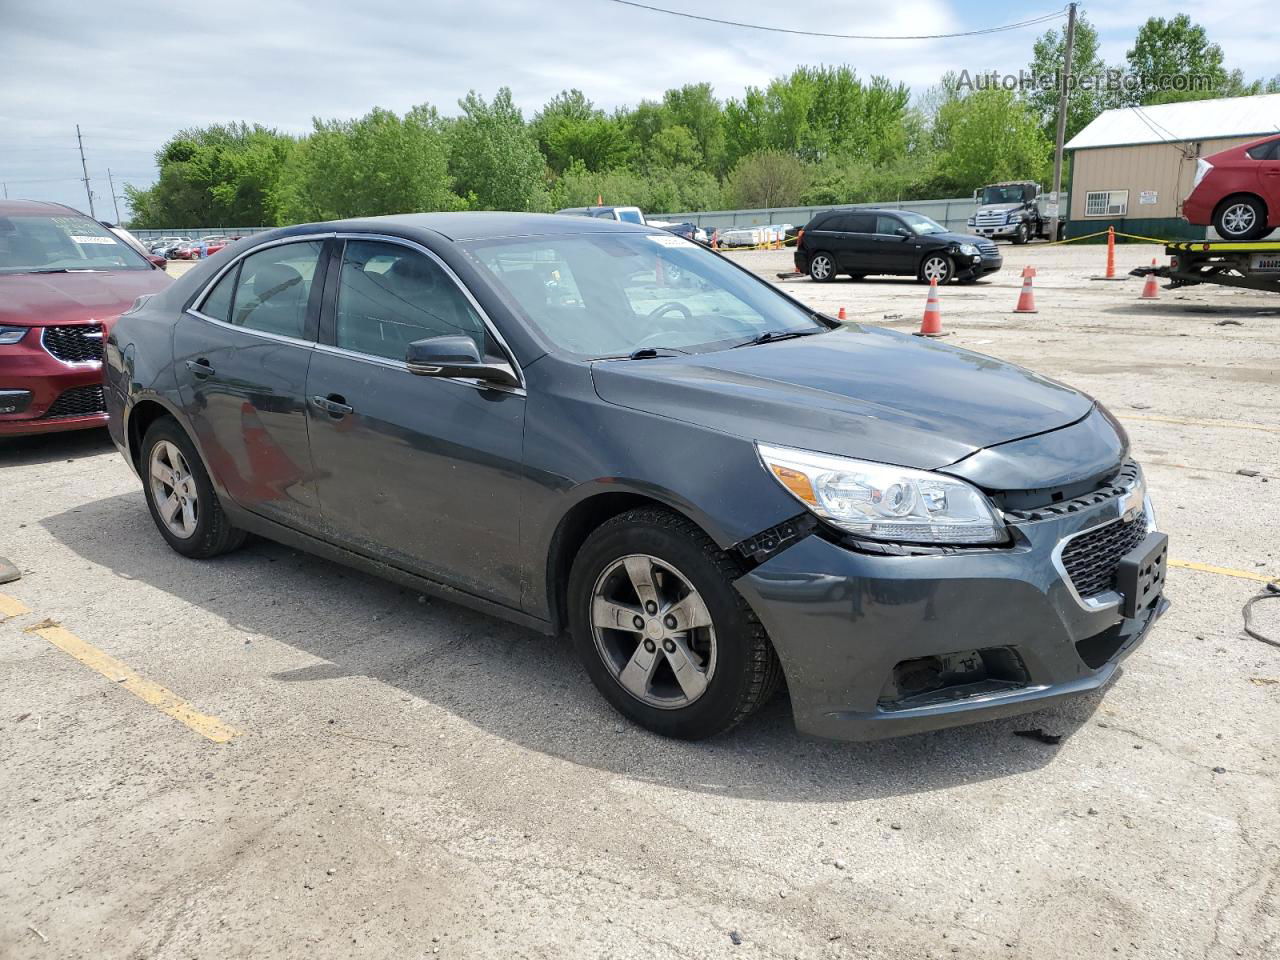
[475,225]
[27,208]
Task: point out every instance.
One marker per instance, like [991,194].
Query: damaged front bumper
[883,645]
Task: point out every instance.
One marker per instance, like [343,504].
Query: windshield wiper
[63,270]
[770,336]
[648,353]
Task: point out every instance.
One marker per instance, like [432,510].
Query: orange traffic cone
[1111,257]
[1026,299]
[1151,289]
[931,325]
[841,315]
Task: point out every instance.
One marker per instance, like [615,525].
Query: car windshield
[1004,194]
[630,216]
[922,224]
[30,244]
[610,294]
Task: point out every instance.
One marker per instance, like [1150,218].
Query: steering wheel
[665,308]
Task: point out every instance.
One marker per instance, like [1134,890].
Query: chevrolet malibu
[602,428]
[63,281]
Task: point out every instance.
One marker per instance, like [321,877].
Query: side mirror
[904,233]
[456,356]
[155,261]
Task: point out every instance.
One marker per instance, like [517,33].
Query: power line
[846,36]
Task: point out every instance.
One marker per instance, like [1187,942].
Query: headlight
[969,221]
[968,249]
[12,334]
[884,502]
[1013,216]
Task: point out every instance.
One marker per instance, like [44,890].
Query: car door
[898,254]
[855,250]
[422,472]
[241,357]
[1269,176]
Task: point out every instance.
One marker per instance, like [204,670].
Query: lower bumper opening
[928,681]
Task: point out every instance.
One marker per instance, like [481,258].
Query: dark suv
[865,242]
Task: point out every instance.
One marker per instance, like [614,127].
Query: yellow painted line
[11,607]
[1193,422]
[1222,571]
[166,701]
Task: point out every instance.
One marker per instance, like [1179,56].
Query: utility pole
[85,167]
[1064,94]
[112,184]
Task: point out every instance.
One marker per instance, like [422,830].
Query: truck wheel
[1023,234]
[1241,218]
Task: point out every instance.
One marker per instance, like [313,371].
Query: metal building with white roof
[1132,167]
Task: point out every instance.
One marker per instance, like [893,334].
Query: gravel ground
[415,780]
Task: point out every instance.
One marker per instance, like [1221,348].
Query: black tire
[1023,234]
[747,672]
[213,533]
[947,273]
[825,265]
[1241,218]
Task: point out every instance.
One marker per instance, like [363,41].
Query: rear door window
[273,289]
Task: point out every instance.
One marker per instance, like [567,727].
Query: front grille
[77,402]
[988,249]
[1090,559]
[990,218]
[78,344]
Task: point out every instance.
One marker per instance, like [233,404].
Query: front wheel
[936,266]
[1241,218]
[1023,234]
[822,267]
[662,632]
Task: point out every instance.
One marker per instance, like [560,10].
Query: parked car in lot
[1237,191]
[862,243]
[63,280]
[621,214]
[708,484]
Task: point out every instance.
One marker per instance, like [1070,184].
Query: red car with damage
[64,279]
[1237,191]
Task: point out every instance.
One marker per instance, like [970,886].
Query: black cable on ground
[1270,592]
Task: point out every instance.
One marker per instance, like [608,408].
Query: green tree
[770,178]
[225,174]
[493,156]
[1089,96]
[695,108]
[1174,60]
[569,127]
[378,164]
[986,136]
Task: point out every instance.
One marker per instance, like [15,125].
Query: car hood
[959,238]
[860,392]
[49,299]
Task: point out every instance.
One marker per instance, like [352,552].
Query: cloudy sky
[132,73]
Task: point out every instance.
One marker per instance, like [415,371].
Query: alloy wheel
[653,631]
[173,489]
[1238,219]
[820,268]
[936,268]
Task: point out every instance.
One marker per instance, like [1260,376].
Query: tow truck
[1252,266]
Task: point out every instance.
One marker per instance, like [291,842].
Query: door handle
[201,368]
[333,404]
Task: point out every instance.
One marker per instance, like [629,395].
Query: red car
[1237,191]
[64,279]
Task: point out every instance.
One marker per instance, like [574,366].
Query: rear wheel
[1241,218]
[662,632]
[822,267]
[180,495]
[936,266]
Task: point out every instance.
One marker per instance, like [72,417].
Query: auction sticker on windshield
[671,241]
[107,240]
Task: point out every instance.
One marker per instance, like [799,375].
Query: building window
[1106,203]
